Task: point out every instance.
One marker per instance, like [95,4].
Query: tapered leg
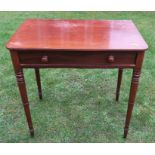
[23,93]
[119,80]
[22,89]
[133,90]
[37,73]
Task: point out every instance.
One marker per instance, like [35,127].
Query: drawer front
[73,58]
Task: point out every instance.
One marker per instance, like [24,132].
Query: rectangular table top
[91,35]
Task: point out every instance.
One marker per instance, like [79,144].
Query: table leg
[37,73]
[22,90]
[23,93]
[133,90]
[119,80]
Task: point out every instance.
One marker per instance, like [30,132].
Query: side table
[45,43]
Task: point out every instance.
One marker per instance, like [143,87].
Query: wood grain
[86,35]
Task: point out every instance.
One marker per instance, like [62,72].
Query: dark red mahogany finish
[40,43]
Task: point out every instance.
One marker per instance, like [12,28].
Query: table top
[97,35]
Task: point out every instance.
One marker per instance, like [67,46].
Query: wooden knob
[44,59]
[111,59]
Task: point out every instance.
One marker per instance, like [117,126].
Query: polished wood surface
[77,59]
[77,44]
[77,35]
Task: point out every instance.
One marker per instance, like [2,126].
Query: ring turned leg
[22,89]
[133,90]
[37,73]
[119,80]
[23,93]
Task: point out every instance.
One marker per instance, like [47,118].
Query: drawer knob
[111,59]
[44,59]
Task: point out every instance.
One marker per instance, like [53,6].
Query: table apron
[75,66]
[73,59]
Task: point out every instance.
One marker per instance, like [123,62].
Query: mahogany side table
[44,43]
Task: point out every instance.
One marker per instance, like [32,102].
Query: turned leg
[37,73]
[119,80]
[22,89]
[23,93]
[133,90]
